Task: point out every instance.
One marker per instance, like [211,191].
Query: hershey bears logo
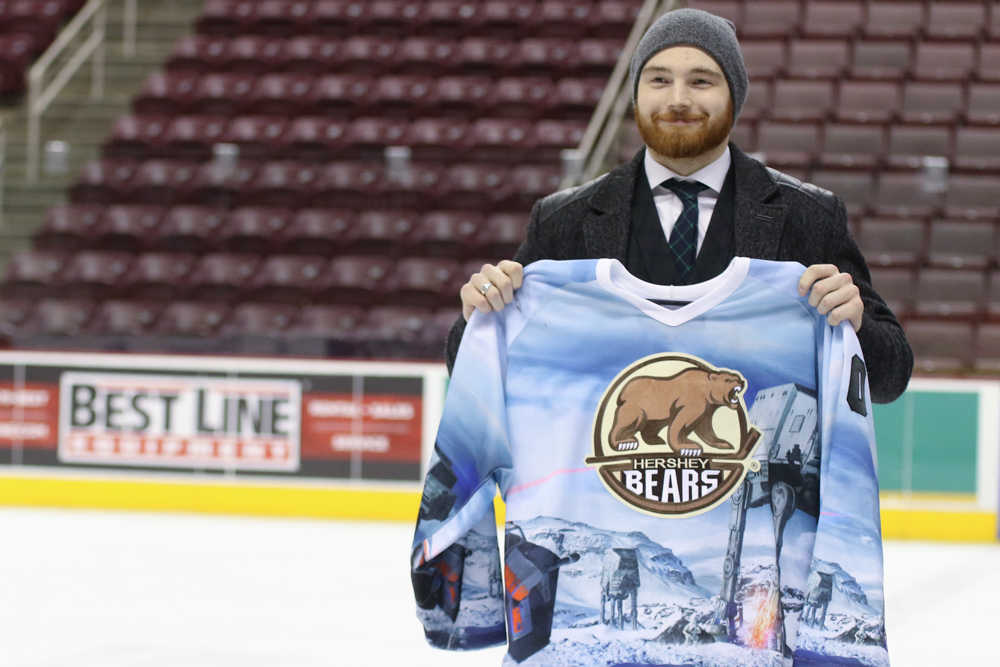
[703,456]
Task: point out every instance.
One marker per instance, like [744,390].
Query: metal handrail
[604,125]
[40,97]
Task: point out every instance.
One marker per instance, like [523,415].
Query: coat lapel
[606,229]
[760,215]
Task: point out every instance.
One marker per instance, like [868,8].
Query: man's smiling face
[683,105]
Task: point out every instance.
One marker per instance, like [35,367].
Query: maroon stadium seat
[425,281]
[475,187]
[848,145]
[984,104]
[897,287]
[267,320]
[576,99]
[338,18]
[977,149]
[613,19]
[759,100]
[103,182]
[418,188]
[989,61]
[940,346]
[962,244]
[909,144]
[597,57]
[189,229]
[511,19]
[128,228]
[856,188]
[445,233]
[314,231]
[881,59]
[281,94]
[167,93]
[225,17]
[136,137]
[547,57]
[367,138]
[314,139]
[891,18]
[253,229]
[121,317]
[283,183]
[402,95]
[253,54]
[289,279]
[32,275]
[987,350]
[350,185]
[819,59]
[282,18]
[223,93]
[258,137]
[463,96]
[14,315]
[58,317]
[562,18]
[68,227]
[824,18]
[932,102]
[903,195]
[395,332]
[394,18]
[192,318]
[529,183]
[437,139]
[92,274]
[802,100]
[199,53]
[342,95]
[163,182]
[221,185]
[891,242]
[15,55]
[369,55]
[944,61]
[39,19]
[487,56]
[499,237]
[868,101]
[356,280]
[522,97]
[427,56]
[379,232]
[731,10]
[501,140]
[157,275]
[554,136]
[770,18]
[972,197]
[765,58]
[956,20]
[326,331]
[788,144]
[449,18]
[221,277]
[951,293]
[312,54]
[192,137]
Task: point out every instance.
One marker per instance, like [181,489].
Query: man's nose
[679,97]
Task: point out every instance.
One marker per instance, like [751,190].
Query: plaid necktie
[684,237]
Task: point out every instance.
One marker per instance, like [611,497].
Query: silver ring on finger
[485,288]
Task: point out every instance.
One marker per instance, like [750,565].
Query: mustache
[676,117]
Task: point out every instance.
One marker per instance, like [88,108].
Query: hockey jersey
[689,476]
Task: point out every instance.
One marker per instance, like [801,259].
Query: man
[693,187]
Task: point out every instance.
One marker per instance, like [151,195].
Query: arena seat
[427,56]
[487,56]
[951,293]
[902,195]
[575,98]
[896,286]
[983,106]
[962,244]
[802,100]
[403,96]
[379,232]
[977,149]
[547,57]
[126,227]
[940,346]
[68,227]
[122,317]
[475,187]
[192,318]
[437,139]
[92,274]
[759,100]
[765,58]
[282,183]
[287,279]
[892,242]
[499,238]
[909,144]
[368,54]
[348,184]
[167,93]
[819,59]
[856,187]
[988,68]
[770,18]
[523,97]
[254,229]
[890,18]
[281,18]
[314,231]
[312,54]
[342,95]
[944,61]
[355,280]
[613,19]
[881,59]
[162,182]
[222,277]
[416,188]
[225,17]
[554,136]
[824,18]
[266,320]
[500,140]
[221,185]
[338,18]
[258,137]
[199,54]
[190,229]
[972,197]
[463,96]
[103,181]
[445,233]
[425,281]
[510,19]
[32,275]
[788,144]
[727,9]
[223,93]
[283,94]
[192,137]
[955,20]
[58,317]
[868,101]
[853,146]
[253,54]
[157,275]
[136,137]
[313,139]
[597,57]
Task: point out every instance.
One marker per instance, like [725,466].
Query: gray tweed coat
[776,218]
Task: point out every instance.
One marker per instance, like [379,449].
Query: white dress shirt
[669,206]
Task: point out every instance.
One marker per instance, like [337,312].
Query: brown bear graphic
[685,401]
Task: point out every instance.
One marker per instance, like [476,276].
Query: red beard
[677,142]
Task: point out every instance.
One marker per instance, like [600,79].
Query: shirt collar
[712,175]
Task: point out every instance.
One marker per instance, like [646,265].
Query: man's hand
[503,278]
[833,293]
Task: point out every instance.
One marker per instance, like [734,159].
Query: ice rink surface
[123,589]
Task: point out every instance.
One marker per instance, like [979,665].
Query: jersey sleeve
[842,619]
[455,566]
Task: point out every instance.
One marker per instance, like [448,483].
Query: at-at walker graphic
[788,480]
[620,580]
[818,599]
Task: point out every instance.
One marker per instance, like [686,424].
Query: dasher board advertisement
[226,416]
[181,422]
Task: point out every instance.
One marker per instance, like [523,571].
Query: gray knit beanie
[712,34]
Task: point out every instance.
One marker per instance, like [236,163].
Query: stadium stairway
[80,121]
